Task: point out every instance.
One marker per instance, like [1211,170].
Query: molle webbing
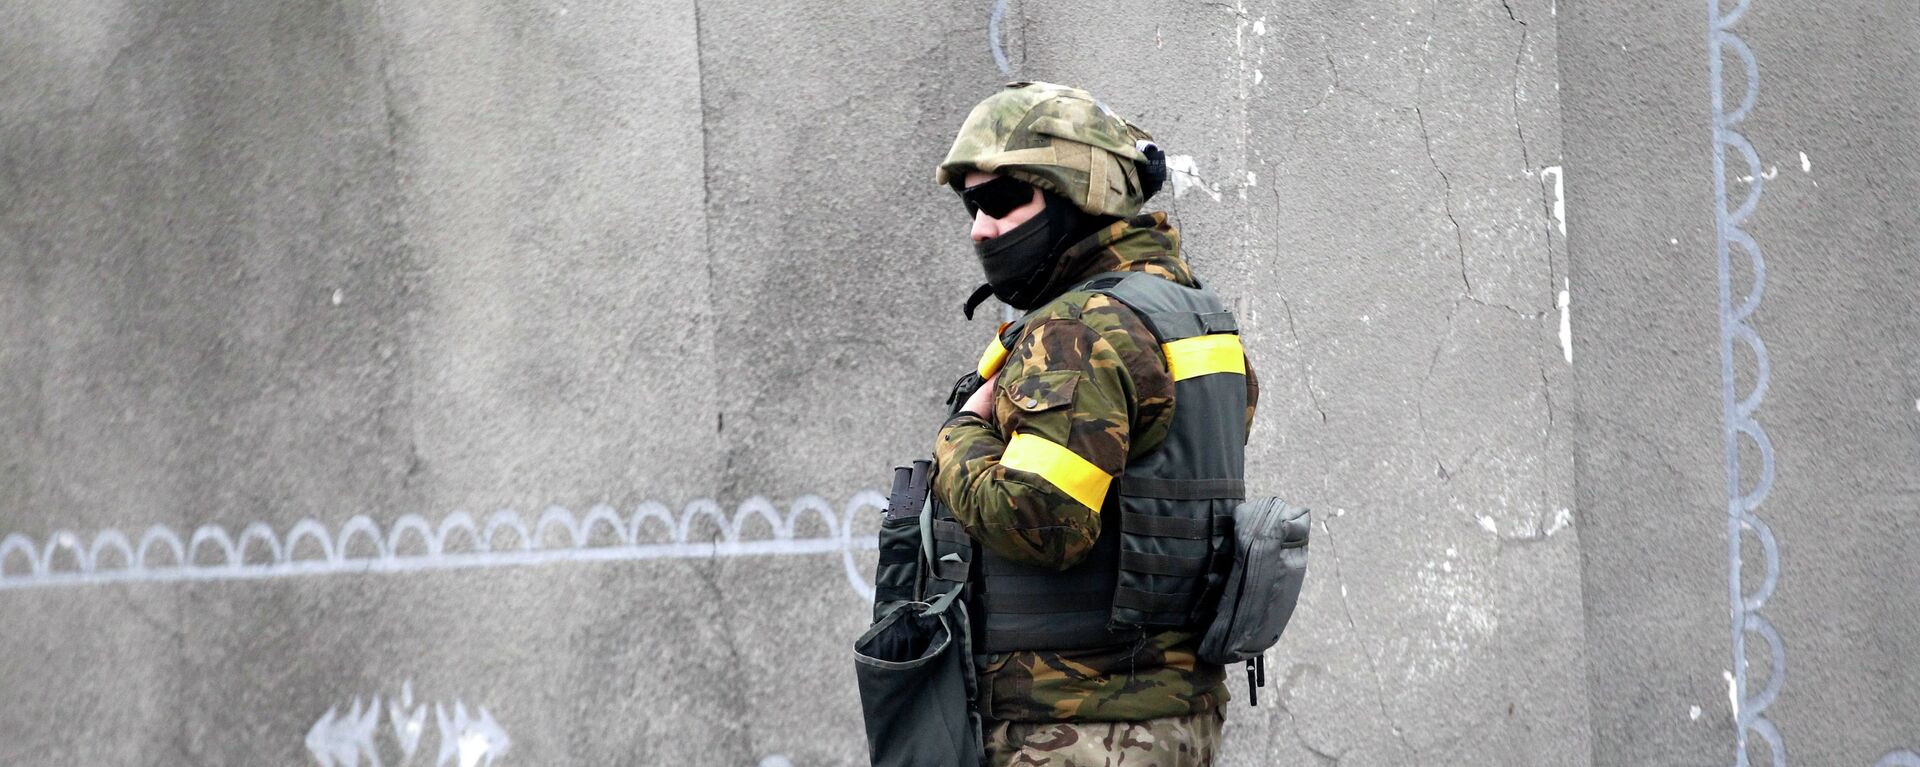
[1190,324]
[1177,502]
[1182,490]
[1037,608]
[1167,525]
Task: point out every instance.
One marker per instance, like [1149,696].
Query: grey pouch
[1269,563]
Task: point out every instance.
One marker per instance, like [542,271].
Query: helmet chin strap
[974,301]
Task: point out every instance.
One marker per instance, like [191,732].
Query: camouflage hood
[1143,243]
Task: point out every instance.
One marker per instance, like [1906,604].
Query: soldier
[1093,499]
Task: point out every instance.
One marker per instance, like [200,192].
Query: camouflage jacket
[1086,374]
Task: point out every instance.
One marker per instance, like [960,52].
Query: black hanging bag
[914,666]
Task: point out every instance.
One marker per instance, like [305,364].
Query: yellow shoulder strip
[1205,355]
[1074,475]
[991,359]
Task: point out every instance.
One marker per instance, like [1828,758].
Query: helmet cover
[1054,137]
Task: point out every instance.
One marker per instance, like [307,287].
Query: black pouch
[914,666]
[915,671]
[1269,563]
[898,578]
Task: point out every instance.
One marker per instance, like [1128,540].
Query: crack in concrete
[706,140]
[1526,155]
[1306,373]
[1333,84]
[1284,692]
[1237,11]
[1628,431]
[152,33]
[727,478]
[1509,308]
[1379,682]
[1519,125]
[1433,363]
[138,609]
[1546,391]
[1338,85]
[1446,181]
[1419,97]
[741,726]
[1025,21]
[1510,16]
[1503,541]
[1420,401]
[1446,199]
[391,119]
[1546,203]
[1447,475]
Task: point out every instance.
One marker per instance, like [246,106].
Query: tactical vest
[1166,527]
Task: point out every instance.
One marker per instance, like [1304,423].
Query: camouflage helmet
[1054,137]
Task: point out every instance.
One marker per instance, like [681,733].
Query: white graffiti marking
[345,740]
[1899,758]
[466,739]
[407,725]
[1737,410]
[472,740]
[458,541]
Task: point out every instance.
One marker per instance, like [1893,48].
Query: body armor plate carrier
[1166,528]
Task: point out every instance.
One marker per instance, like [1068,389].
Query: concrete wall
[1745,335]
[517,381]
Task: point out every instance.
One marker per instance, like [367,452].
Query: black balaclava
[1020,263]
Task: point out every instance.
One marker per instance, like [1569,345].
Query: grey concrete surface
[352,267]
[1833,129]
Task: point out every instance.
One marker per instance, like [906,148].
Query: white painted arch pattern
[1737,410]
[756,527]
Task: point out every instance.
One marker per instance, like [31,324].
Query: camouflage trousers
[1175,741]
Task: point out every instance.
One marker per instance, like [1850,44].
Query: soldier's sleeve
[1253,395]
[1031,483]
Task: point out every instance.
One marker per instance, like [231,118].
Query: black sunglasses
[997,197]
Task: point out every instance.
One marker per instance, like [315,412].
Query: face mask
[1019,264]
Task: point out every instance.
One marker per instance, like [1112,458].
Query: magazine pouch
[897,578]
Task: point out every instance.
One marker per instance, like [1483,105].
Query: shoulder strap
[1141,292]
[1172,311]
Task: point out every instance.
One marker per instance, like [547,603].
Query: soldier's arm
[1253,395]
[1030,484]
